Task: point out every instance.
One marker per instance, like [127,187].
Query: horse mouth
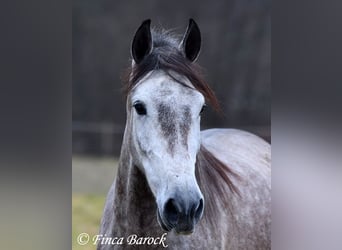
[167,227]
[184,232]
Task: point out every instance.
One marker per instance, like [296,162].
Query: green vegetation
[86,215]
[91,180]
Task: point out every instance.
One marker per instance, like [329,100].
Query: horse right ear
[191,43]
[142,42]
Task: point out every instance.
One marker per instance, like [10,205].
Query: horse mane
[208,171]
[167,56]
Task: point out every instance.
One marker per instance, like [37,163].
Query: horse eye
[140,108]
[203,108]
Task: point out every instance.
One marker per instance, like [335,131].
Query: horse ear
[142,42]
[191,43]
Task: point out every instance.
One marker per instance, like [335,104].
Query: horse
[177,186]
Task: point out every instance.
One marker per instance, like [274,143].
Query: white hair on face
[167,138]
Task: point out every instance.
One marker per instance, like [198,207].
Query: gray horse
[177,186]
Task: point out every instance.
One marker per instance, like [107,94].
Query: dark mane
[208,170]
[167,56]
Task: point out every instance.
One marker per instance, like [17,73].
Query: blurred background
[236,56]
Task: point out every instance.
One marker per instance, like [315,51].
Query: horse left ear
[191,43]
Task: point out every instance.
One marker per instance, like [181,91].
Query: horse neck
[136,203]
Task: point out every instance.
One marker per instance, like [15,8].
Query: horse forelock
[167,56]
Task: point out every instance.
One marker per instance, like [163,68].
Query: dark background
[236,56]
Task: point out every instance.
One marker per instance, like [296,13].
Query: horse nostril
[171,211]
[197,211]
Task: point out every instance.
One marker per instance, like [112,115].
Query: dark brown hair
[166,56]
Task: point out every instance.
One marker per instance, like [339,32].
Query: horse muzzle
[181,213]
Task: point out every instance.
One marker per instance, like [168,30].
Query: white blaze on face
[166,133]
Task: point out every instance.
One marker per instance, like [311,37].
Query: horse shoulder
[249,156]
[235,146]
[244,153]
